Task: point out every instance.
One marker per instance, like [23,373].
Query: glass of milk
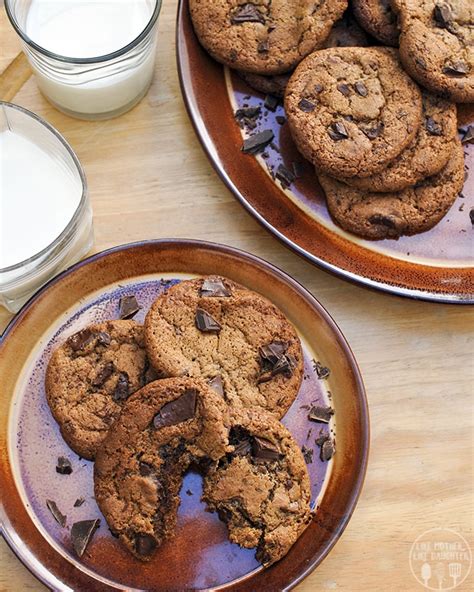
[93,59]
[45,214]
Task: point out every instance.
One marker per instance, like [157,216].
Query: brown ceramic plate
[200,556]
[435,265]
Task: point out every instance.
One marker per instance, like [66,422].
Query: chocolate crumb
[56,513]
[257,142]
[307,454]
[128,307]
[271,102]
[320,414]
[468,137]
[280,119]
[321,371]
[471,216]
[82,533]
[284,175]
[189,492]
[63,466]
[103,338]
[327,450]
[432,127]
[78,503]
[121,388]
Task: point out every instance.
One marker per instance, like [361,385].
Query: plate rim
[208,146]
[42,572]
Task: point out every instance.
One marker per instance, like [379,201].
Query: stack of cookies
[203,383]
[385,150]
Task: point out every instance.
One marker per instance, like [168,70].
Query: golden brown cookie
[378,19]
[352,110]
[260,36]
[391,215]
[216,329]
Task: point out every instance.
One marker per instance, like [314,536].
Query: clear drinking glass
[19,281]
[93,87]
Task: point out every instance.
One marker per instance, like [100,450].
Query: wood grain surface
[149,178]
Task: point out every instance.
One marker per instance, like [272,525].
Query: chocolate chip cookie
[437,45]
[261,488]
[260,36]
[425,156]
[90,376]
[215,329]
[345,33]
[391,215]
[378,19]
[352,110]
[139,468]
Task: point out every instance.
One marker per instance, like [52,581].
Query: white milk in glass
[38,198]
[86,29]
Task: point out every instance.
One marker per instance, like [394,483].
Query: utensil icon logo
[440,559]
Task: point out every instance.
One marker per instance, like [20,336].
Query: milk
[83,29]
[38,198]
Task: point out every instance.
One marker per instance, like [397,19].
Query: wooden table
[149,178]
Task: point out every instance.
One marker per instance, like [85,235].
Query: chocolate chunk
[280,119]
[55,511]
[144,469]
[420,62]
[432,127]
[189,492]
[471,215]
[104,373]
[242,448]
[327,450]
[82,533]
[246,13]
[149,374]
[284,175]
[205,322]
[298,169]
[383,220]
[318,88]
[321,370]
[214,288]
[103,338]
[263,449]
[257,142]
[80,340]
[321,439]
[63,466]
[271,102]
[217,385]
[320,414]
[128,307]
[78,503]
[442,16]
[337,131]
[306,105]
[468,137]
[285,365]
[344,89]
[374,131]
[121,388]
[459,68]
[273,351]
[177,411]
[263,46]
[247,114]
[307,454]
[361,89]
[274,360]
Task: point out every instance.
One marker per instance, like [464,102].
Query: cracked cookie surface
[261,488]
[437,45]
[263,36]
[378,19]
[391,215]
[352,110]
[90,376]
[234,336]
[425,156]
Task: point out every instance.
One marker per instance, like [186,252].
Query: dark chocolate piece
[103,338]
[458,68]
[468,137]
[205,322]
[321,439]
[271,102]
[82,533]
[55,511]
[432,127]
[361,89]
[214,288]
[373,132]
[471,215]
[144,469]
[298,169]
[177,411]
[307,454]
[189,492]
[274,360]
[247,114]
[257,142]
[273,351]
[242,448]
[263,46]
[80,340]
[320,414]
[318,88]
[128,307]
[121,388]
[337,131]
[263,449]
[344,89]
[63,466]
[284,175]
[78,503]
[321,370]
[280,119]
[306,105]
[246,13]
[383,220]
[443,17]
[217,385]
[104,374]
[327,450]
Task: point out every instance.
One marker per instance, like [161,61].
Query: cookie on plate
[260,489]
[90,376]
[139,469]
[427,154]
[391,215]
[352,110]
[260,36]
[378,19]
[218,330]
[345,33]
[437,45]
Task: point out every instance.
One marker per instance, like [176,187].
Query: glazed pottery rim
[42,572]
[209,148]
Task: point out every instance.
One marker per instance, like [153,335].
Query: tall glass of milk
[93,59]
[45,214]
